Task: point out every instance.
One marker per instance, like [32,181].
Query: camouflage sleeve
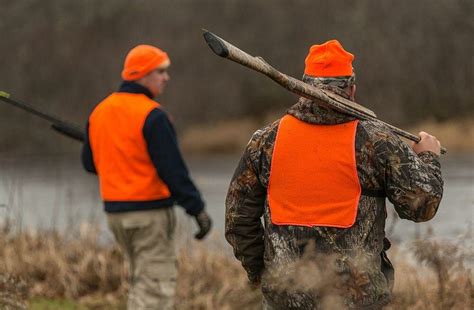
[244,208]
[413,183]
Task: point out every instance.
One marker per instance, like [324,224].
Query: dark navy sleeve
[163,148]
[86,154]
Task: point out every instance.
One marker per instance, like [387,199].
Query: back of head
[143,59]
[329,66]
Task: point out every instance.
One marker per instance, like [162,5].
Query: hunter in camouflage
[303,267]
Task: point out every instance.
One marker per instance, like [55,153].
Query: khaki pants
[148,240]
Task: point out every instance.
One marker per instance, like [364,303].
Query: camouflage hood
[314,112]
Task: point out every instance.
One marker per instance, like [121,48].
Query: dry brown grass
[80,267]
[430,274]
[75,267]
[210,280]
[439,277]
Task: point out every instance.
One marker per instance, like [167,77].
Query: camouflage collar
[311,112]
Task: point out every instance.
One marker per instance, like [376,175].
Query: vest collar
[134,88]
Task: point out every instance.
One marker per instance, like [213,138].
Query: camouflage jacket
[284,254]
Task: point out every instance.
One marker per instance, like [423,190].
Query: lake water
[55,192]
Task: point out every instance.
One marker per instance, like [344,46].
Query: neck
[135,88]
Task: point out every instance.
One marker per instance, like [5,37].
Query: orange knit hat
[143,59]
[328,60]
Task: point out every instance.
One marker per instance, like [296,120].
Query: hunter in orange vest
[120,150]
[132,146]
[330,151]
[319,179]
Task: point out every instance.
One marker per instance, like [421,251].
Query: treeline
[413,58]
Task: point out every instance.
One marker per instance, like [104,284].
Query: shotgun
[68,129]
[226,50]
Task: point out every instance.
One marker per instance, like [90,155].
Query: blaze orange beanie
[143,59]
[328,60]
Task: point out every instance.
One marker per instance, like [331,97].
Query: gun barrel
[68,129]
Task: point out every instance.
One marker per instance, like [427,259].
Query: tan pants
[148,240]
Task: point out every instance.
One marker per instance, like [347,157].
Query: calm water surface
[55,192]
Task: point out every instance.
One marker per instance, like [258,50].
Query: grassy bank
[457,135]
[47,270]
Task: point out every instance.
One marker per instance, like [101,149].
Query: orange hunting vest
[313,176]
[125,169]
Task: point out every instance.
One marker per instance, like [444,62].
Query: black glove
[204,222]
